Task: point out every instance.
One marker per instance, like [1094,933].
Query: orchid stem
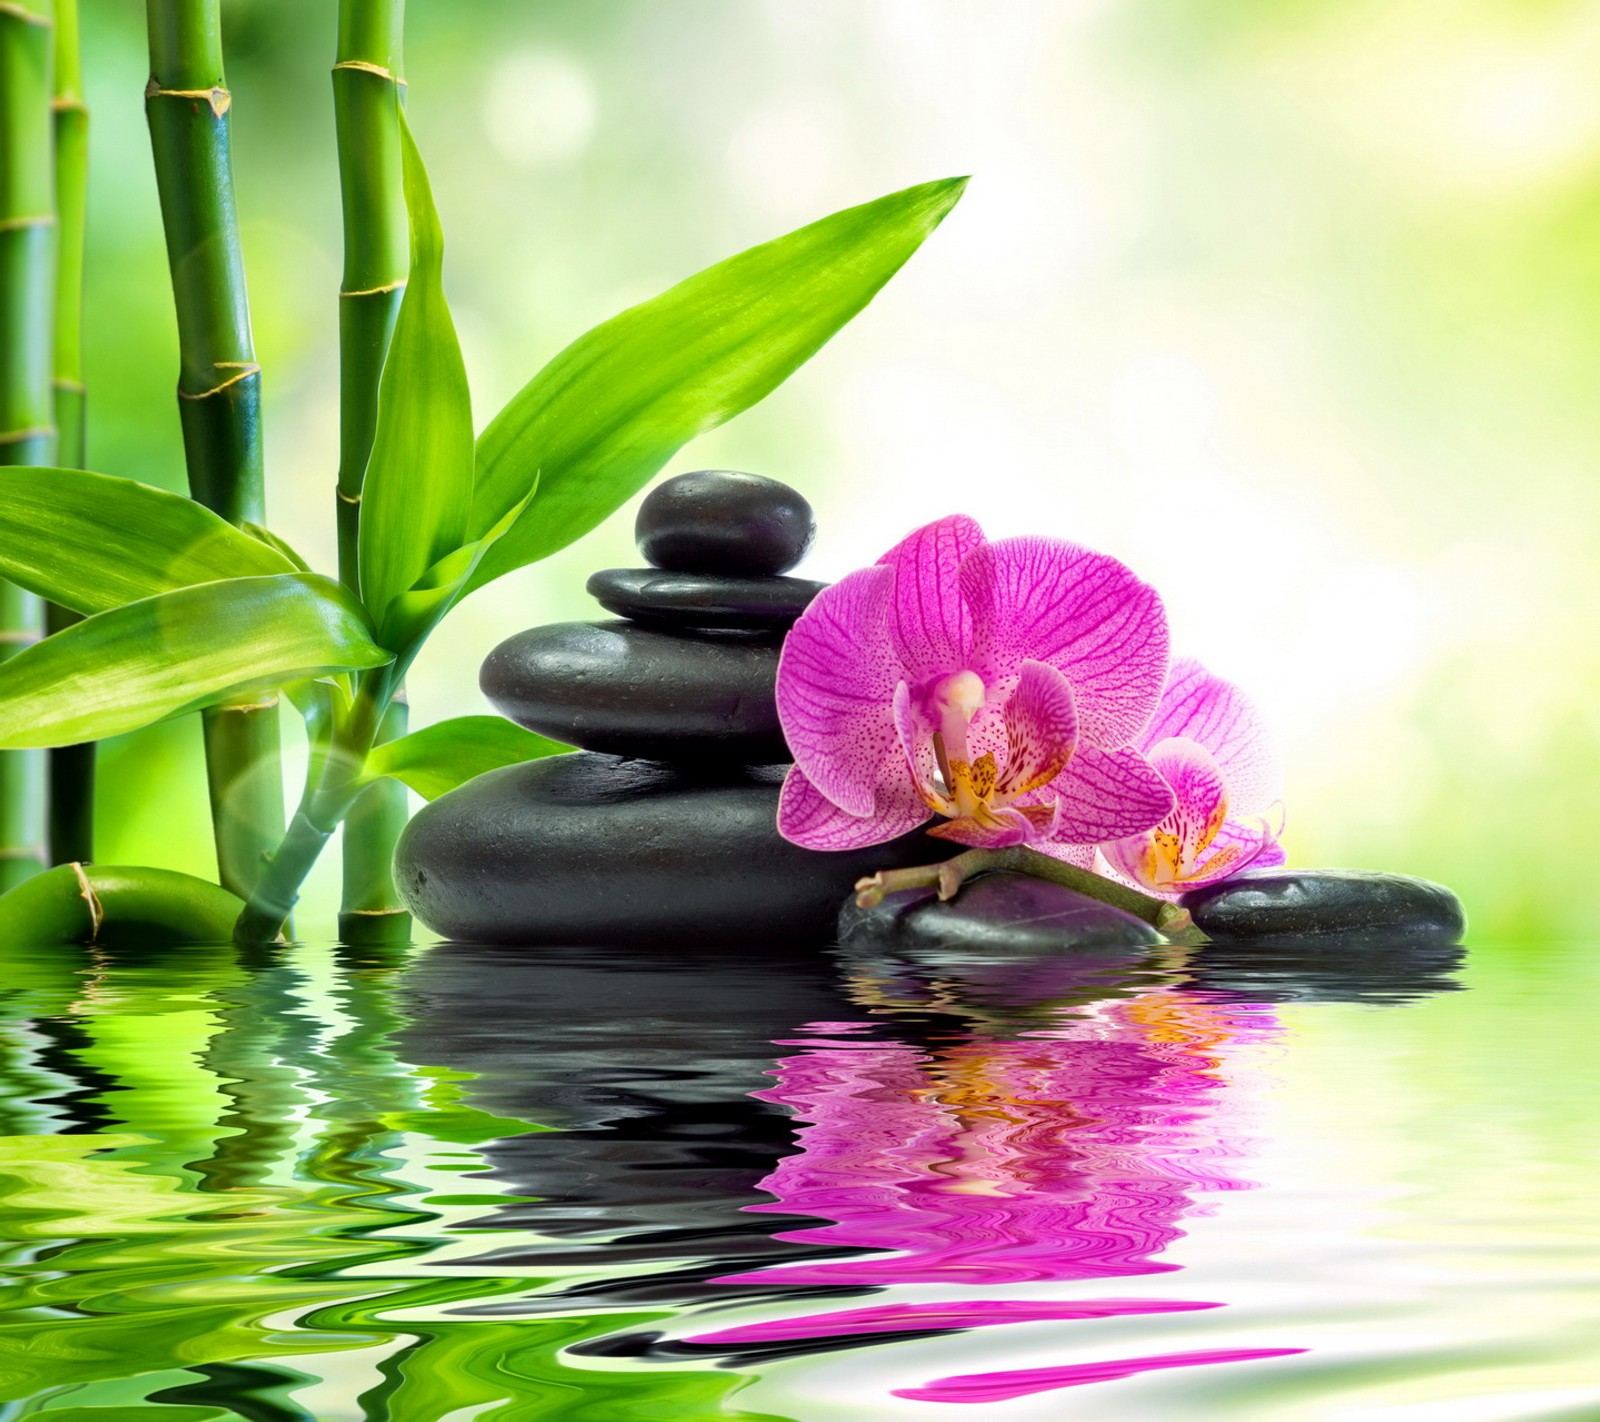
[1169,919]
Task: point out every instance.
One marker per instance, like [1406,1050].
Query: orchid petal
[1218,715]
[1041,729]
[929,622]
[836,682]
[1106,795]
[1001,829]
[1247,843]
[807,817]
[1082,612]
[1080,854]
[1200,795]
[916,739]
[1134,861]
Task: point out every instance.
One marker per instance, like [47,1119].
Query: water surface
[451,1182]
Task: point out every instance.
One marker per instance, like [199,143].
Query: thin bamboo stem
[27,415]
[71,794]
[219,385]
[333,784]
[367,90]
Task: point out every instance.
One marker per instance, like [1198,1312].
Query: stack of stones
[662,827]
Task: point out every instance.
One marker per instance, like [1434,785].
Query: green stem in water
[1167,918]
[333,783]
[27,414]
[71,795]
[219,385]
[372,911]
[367,90]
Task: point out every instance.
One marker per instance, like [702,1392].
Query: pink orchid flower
[1210,745]
[995,684]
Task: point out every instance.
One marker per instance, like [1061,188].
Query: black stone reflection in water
[645,1063]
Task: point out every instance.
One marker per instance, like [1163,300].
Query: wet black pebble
[589,849]
[672,600]
[1352,908]
[717,521]
[632,690]
[994,915]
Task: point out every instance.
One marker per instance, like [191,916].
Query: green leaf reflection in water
[226,1195]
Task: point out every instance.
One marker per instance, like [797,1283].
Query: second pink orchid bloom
[995,685]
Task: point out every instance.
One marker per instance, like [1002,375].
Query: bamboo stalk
[71,795]
[27,416]
[367,89]
[219,385]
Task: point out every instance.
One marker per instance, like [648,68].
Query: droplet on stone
[719,521]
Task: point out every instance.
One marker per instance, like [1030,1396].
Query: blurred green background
[1294,305]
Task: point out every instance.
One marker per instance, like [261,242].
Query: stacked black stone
[662,826]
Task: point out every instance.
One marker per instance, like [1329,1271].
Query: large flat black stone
[1352,908]
[673,600]
[624,689]
[587,848]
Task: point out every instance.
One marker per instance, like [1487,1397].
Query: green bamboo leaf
[418,488]
[413,614]
[179,651]
[92,542]
[262,534]
[607,413]
[438,758]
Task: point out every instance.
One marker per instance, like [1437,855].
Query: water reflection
[318,1184]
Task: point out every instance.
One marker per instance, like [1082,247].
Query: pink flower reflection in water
[1065,1154]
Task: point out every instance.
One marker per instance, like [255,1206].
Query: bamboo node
[367,68]
[246,369]
[97,913]
[68,104]
[374,913]
[219,98]
[20,638]
[36,851]
[77,387]
[16,12]
[266,705]
[345,498]
[376,290]
[18,224]
[34,432]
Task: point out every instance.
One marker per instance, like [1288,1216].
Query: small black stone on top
[719,521]
[691,600]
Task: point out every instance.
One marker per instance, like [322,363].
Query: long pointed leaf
[179,651]
[608,412]
[418,488]
[438,758]
[92,542]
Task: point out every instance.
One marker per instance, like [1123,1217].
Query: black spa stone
[717,521]
[592,849]
[631,690]
[673,600]
[994,916]
[1344,908]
